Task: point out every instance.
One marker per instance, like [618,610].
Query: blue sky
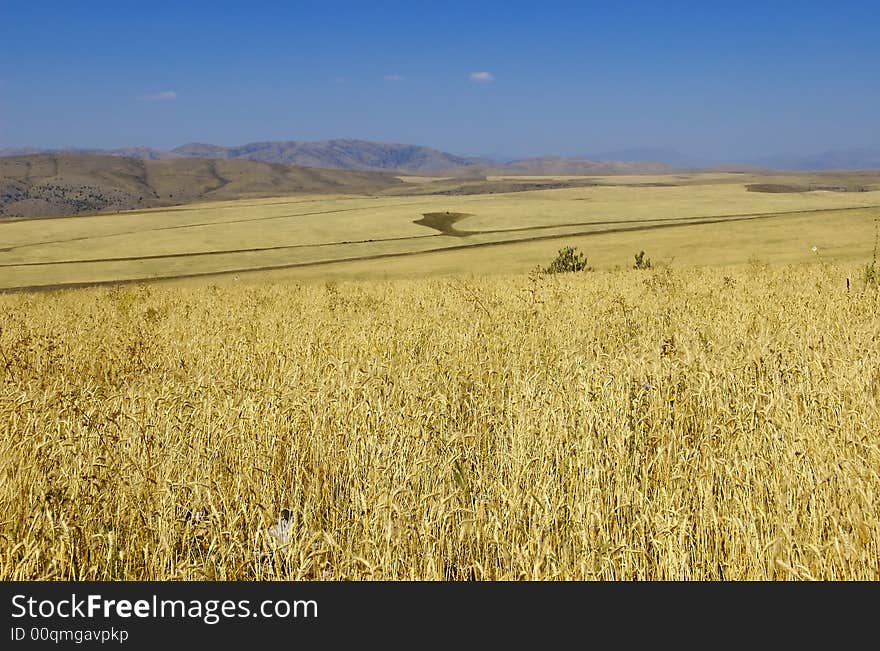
[720,80]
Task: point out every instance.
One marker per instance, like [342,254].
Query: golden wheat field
[666,424]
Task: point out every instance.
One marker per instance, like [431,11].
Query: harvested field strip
[196,225]
[379,256]
[189,207]
[444,228]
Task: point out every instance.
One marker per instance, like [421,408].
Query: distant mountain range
[337,154]
[664,155]
[864,158]
[559,166]
[364,155]
[329,154]
[368,156]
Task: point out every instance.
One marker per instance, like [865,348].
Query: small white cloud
[161,96]
[393,77]
[482,77]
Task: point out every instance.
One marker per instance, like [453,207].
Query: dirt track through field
[195,225]
[218,252]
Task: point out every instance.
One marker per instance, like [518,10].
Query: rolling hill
[145,153]
[65,184]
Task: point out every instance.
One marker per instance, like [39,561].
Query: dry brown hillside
[67,184]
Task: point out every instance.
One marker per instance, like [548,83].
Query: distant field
[707,219]
[422,179]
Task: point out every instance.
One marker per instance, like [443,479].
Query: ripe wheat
[702,424]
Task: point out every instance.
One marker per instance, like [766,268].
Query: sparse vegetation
[568,260]
[642,262]
[580,426]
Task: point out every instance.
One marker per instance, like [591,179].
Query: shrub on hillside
[642,262]
[569,259]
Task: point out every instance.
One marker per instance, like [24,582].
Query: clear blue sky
[723,80]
